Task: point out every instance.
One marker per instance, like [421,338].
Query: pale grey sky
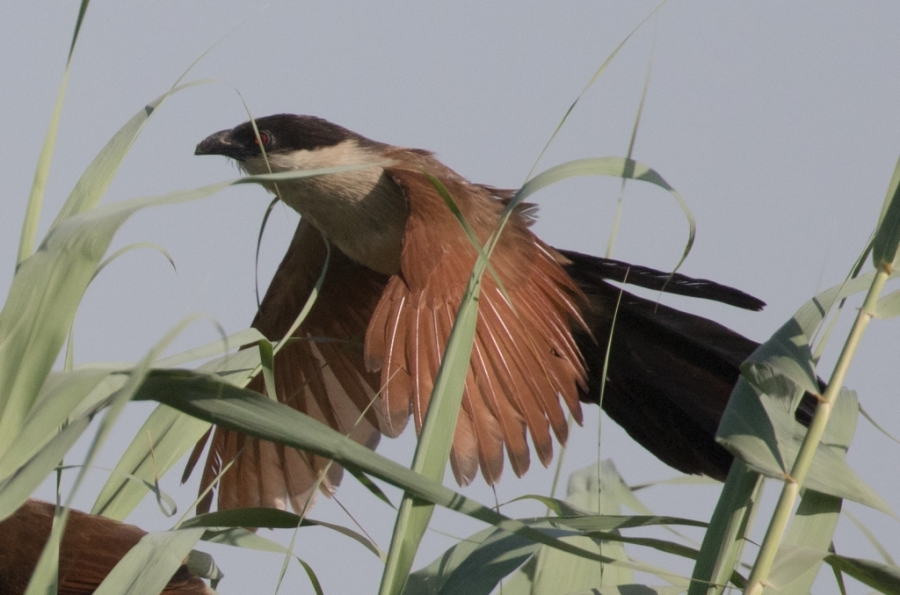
[778,123]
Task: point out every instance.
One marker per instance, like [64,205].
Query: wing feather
[322,373]
[525,362]
[524,357]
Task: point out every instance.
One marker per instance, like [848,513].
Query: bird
[91,547]
[550,321]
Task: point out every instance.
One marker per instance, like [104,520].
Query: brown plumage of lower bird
[371,346]
[90,549]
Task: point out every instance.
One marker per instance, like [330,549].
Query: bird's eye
[262,138]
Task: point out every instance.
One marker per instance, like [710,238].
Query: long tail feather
[669,373]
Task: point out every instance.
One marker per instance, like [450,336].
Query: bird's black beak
[220,143]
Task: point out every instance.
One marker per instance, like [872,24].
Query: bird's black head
[278,134]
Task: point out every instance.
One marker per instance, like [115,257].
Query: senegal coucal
[370,348]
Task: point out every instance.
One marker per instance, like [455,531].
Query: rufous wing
[524,357]
[321,373]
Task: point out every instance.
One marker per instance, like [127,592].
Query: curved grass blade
[137,245]
[246,539]
[724,540]
[271,518]
[57,402]
[431,456]
[591,82]
[870,537]
[884,577]
[252,414]
[48,287]
[42,171]
[15,489]
[138,570]
[171,433]
[617,217]
[477,564]
[44,297]
[168,434]
[45,578]
[221,346]
[887,232]
[371,486]
[159,444]
[149,565]
[618,167]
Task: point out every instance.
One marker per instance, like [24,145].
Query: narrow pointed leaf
[252,414]
[149,565]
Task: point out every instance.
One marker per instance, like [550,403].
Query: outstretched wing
[321,373]
[524,356]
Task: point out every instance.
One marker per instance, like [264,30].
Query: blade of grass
[18,487]
[221,346]
[98,175]
[477,564]
[44,297]
[159,444]
[149,565]
[414,516]
[724,540]
[168,434]
[618,167]
[617,217]
[816,518]
[48,562]
[45,578]
[246,539]
[591,82]
[758,424]
[884,577]
[436,439]
[58,400]
[272,518]
[48,287]
[870,537]
[42,171]
[811,530]
[252,414]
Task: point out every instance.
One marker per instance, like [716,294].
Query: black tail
[670,373]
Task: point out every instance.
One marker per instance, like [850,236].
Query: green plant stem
[433,449]
[794,481]
[559,462]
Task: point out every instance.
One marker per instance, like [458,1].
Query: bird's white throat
[362,211]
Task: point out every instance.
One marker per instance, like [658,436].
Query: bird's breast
[361,212]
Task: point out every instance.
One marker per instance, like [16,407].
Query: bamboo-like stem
[794,481]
